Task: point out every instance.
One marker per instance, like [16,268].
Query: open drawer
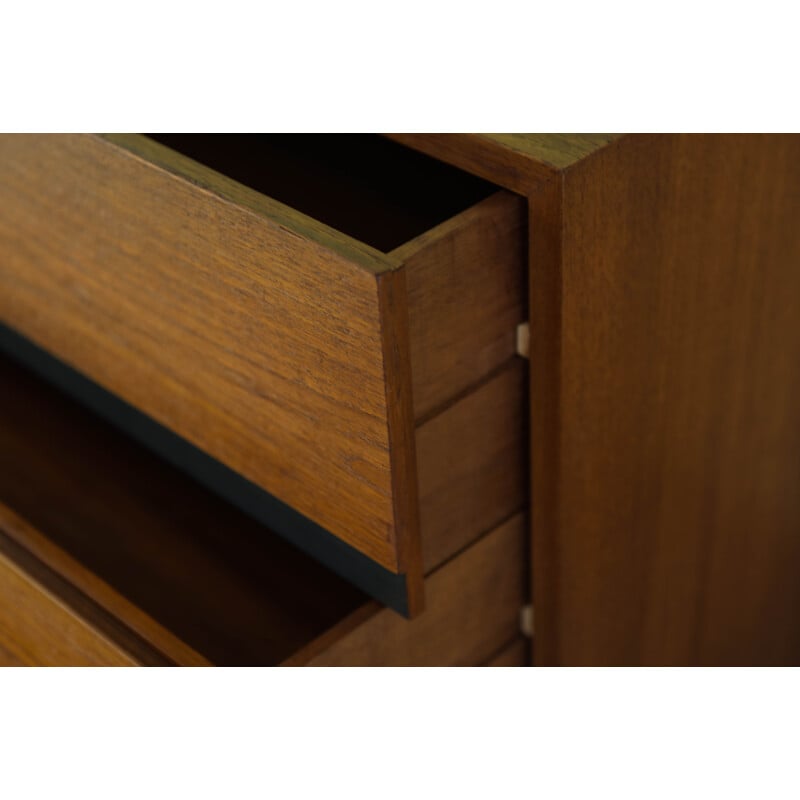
[298,329]
[109,555]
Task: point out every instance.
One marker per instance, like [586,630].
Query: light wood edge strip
[393,304]
[160,157]
[152,634]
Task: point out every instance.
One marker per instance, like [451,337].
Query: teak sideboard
[409,399]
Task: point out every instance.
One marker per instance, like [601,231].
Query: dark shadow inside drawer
[368,187]
[219,581]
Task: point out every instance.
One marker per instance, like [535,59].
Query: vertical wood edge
[545,229]
[393,307]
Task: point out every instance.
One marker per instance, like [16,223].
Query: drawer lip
[357,480]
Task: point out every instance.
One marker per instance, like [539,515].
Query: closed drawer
[110,556]
[298,355]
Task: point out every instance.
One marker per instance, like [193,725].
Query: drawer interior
[219,581]
[368,187]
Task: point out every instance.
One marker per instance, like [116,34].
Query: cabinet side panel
[678,452]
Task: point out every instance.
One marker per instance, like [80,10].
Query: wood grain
[400,417]
[473,464]
[472,609]
[668,532]
[184,571]
[243,327]
[515,654]
[37,630]
[466,295]
[517,161]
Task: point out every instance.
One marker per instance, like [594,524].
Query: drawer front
[227,319]
[280,347]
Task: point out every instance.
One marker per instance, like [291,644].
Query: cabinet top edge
[516,161]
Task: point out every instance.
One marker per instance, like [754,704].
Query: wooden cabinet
[258,388]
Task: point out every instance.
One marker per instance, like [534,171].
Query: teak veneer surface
[666,403]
